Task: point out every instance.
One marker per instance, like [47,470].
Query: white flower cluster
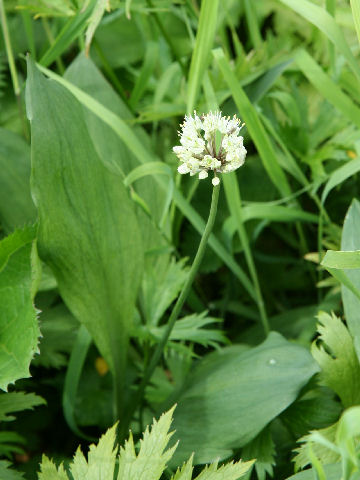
[210,142]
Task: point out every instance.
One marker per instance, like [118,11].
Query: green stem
[51,39]
[138,396]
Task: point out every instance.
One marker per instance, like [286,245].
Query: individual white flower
[203,150]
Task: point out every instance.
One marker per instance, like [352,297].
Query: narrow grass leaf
[339,176]
[355,7]
[151,56]
[327,87]
[327,24]
[71,30]
[254,125]
[72,379]
[202,50]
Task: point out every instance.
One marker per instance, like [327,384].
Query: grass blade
[145,73]
[355,7]
[323,83]
[339,175]
[254,125]
[71,30]
[203,45]
[326,23]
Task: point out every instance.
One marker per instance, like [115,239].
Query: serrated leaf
[16,402]
[324,454]
[185,472]
[340,368]
[230,471]
[152,458]
[7,474]
[49,471]
[101,459]
[263,449]
[19,330]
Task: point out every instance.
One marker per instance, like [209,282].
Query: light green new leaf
[340,369]
[327,87]
[16,206]
[19,330]
[147,462]
[16,402]
[88,229]
[202,50]
[49,471]
[230,471]
[152,457]
[101,459]
[258,384]
[327,24]
[333,472]
[7,474]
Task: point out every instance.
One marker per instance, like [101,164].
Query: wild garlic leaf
[340,368]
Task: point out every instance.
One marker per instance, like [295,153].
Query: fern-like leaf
[148,463]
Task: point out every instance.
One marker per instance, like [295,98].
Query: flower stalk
[138,397]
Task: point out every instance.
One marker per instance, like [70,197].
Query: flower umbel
[210,142]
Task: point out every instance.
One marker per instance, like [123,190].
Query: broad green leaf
[19,330]
[6,473]
[342,260]
[201,55]
[139,150]
[16,402]
[253,123]
[327,87]
[258,384]
[327,24]
[350,241]
[333,472]
[336,355]
[88,230]
[16,206]
[112,150]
